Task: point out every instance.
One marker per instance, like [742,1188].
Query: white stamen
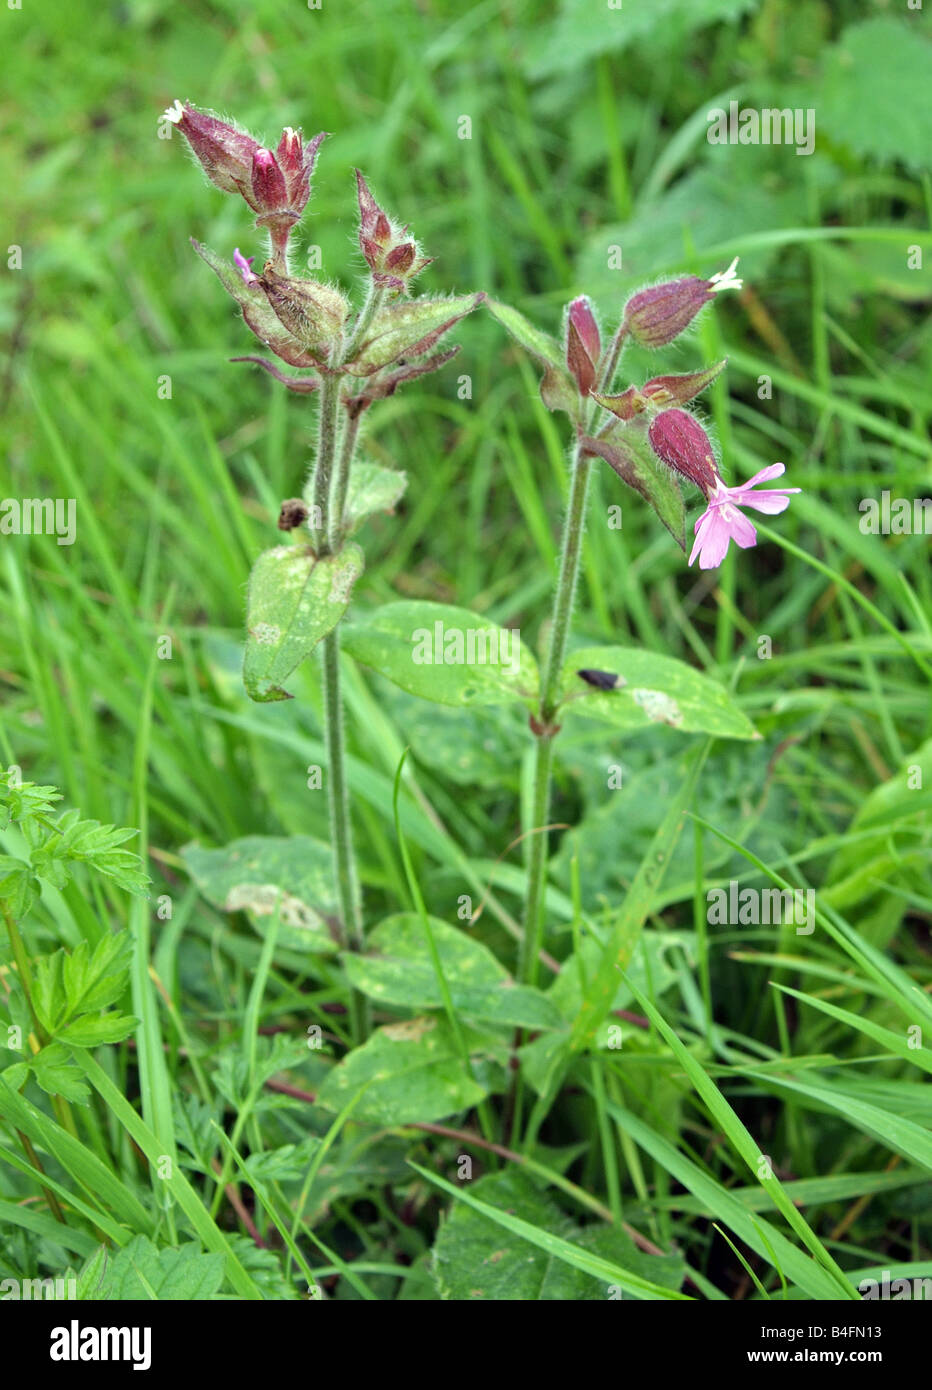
[726,279]
[175,113]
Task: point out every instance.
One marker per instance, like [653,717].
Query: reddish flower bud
[269,190]
[655,316]
[678,439]
[276,186]
[224,152]
[583,320]
[296,161]
[582,345]
[393,259]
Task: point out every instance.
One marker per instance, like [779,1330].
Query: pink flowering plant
[648,436]
[298,592]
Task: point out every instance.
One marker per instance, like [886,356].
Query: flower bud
[269,191]
[393,258]
[655,316]
[678,439]
[314,314]
[224,152]
[276,186]
[583,347]
[296,161]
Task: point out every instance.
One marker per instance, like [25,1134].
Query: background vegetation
[588,131]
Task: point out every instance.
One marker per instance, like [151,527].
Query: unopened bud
[393,258]
[314,314]
[224,152]
[678,439]
[655,316]
[583,346]
[269,191]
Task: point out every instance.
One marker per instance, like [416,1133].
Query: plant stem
[341,481]
[330,501]
[326,449]
[570,552]
[340,831]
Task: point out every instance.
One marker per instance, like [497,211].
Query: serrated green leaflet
[606,1271]
[294,601]
[473,1260]
[142,1271]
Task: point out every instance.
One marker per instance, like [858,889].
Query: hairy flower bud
[655,316]
[276,186]
[583,346]
[224,152]
[269,191]
[678,439]
[393,258]
[314,314]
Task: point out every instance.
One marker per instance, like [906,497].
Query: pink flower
[244,267]
[722,522]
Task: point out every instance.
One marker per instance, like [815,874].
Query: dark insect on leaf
[602,680]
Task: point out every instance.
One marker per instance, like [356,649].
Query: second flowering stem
[570,553]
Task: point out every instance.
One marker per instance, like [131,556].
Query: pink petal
[773,470]
[712,537]
[770,502]
[740,529]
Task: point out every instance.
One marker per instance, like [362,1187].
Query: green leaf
[57,1074]
[890,60]
[652,689]
[263,874]
[445,654]
[410,329]
[397,969]
[542,1255]
[19,887]
[69,985]
[26,800]
[531,338]
[92,1032]
[881,1122]
[286,1164]
[625,448]
[142,1272]
[578,32]
[409,1072]
[656,963]
[294,601]
[87,841]
[118,1204]
[372,489]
